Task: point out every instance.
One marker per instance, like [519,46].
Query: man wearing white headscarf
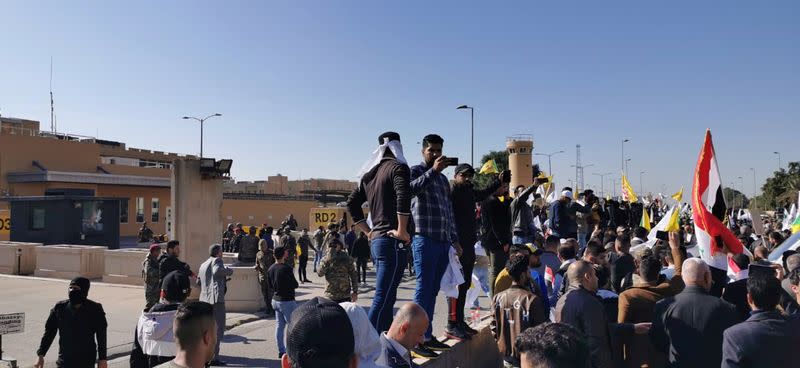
[368,342]
[384,184]
[563,215]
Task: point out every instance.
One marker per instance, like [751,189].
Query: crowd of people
[577,282]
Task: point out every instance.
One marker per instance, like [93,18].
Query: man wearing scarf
[78,322]
[384,184]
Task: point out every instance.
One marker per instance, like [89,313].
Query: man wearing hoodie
[154,338]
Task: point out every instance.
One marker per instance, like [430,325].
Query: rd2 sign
[12,323]
[324,216]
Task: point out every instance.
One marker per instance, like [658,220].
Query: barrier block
[66,261]
[18,258]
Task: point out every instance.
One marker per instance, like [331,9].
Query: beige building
[281,185]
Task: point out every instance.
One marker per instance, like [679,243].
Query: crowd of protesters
[577,282]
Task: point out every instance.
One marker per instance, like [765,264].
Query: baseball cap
[176,286]
[464,168]
[154,247]
[309,341]
[534,249]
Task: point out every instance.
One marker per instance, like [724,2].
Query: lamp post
[201,127]
[741,181]
[779,159]
[641,188]
[627,160]
[602,182]
[623,155]
[549,163]
[472,131]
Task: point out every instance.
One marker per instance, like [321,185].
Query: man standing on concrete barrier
[384,184]
[248,247]
[213,286]
[435,230]
[150,274]
[78,322]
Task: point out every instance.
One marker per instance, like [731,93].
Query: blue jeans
[317,257]
[283,314]
[389,257]
[430,263]
[482,273]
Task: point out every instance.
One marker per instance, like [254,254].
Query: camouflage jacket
[264,259]
[150,274]
[340,272]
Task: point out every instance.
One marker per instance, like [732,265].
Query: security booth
[66,217]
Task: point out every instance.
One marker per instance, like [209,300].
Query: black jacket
[168,263]
[281,278]
[622,269]
[495,223]
[464,198]
[361,248]
[736,294]
[766,340]
[77,330]
[689,327]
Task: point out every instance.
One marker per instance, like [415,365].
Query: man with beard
[78,322]
[464,198]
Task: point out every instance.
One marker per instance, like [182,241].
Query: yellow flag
[645,219]
[678,196]
[490,167]
[674,224]
[627,191]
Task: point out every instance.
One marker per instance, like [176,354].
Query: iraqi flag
[708,211]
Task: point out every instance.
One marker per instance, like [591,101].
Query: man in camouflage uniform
[150,274]
[264,259]
[248,247]
[339,271]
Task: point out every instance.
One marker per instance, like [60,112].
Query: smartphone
[451,161]
[760,269]
[662,235]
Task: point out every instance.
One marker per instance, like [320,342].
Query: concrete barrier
[479,352]
[65,261]
[18,258]
[124,266]
[229,258]
[244,292]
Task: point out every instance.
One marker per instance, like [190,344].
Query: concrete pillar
[196,211]
[520,161]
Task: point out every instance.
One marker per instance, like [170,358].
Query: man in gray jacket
[213,285]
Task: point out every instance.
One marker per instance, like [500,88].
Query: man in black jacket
[78,321]
[766,339]
[496,230]
[736,291]
[689,326]
[464,197]
[169,261]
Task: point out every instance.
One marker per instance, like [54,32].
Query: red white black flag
[708,210]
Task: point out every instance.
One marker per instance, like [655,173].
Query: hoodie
[154,340]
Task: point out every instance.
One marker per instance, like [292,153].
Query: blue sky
[305,87]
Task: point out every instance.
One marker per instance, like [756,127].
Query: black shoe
[436,345]
[457,333]
[465,327]
[217,363]
[422,352]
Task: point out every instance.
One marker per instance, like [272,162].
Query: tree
[735,198]
[781,189]
[500,158]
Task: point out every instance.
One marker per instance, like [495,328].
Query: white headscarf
[367,341]
[377,156]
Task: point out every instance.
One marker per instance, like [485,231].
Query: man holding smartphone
[384,184]
[435,227]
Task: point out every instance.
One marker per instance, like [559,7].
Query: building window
[154,210]
[511,150]
[37,219]
[123,211]
[139,209]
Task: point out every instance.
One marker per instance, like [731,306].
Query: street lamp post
[641,188]
[623,155]
[201,127]
[741,181]
[755,191]
[779,159]
[627,160]
[602,182]
[549,163]
[472,131]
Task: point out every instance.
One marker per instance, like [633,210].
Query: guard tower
[520,160]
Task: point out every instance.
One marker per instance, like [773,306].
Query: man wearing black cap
[154,339]
[213,286]
[384,184]
[309,342]
[464,197]
[78,322]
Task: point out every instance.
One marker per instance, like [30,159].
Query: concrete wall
[244,292]
[124,266]
[479,352]
[197,211]
[70,261]
[18,258]
[257,212]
